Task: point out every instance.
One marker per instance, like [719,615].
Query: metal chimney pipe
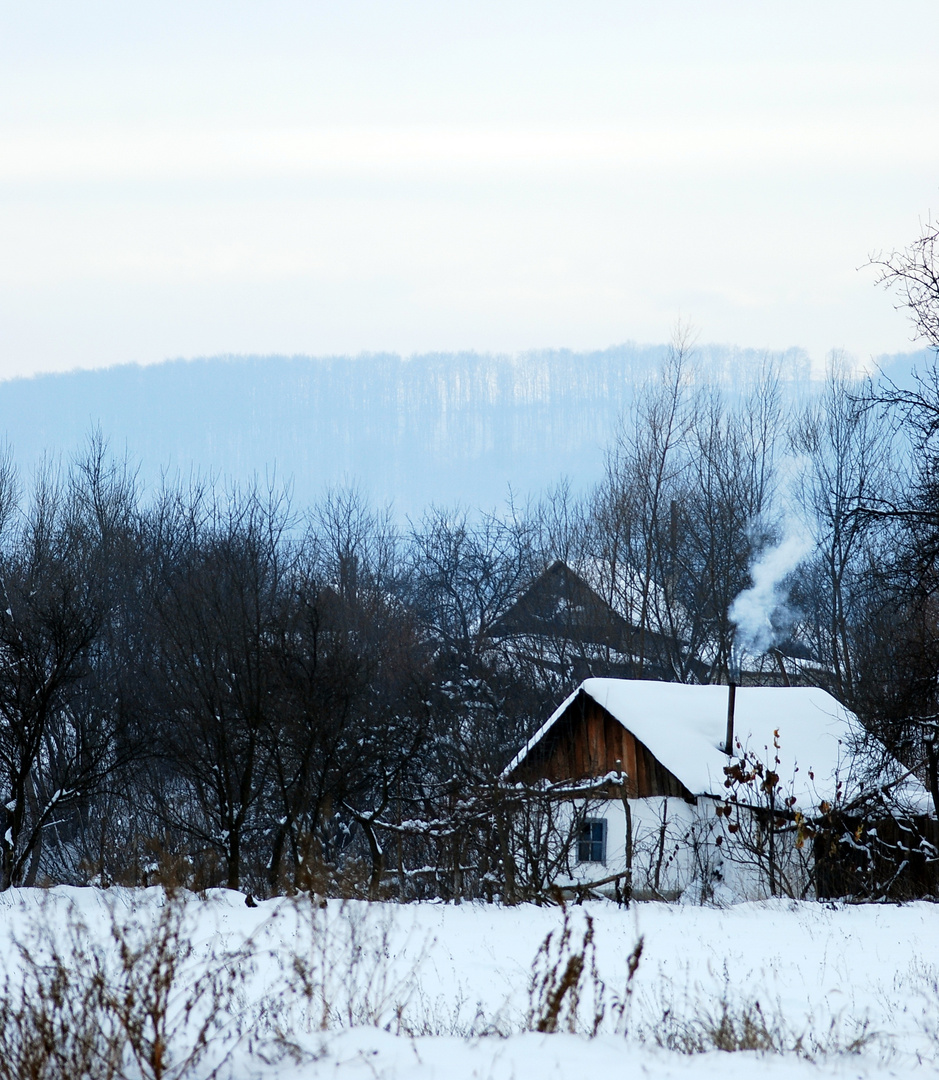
[731,700]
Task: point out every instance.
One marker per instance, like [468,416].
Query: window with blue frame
[591,844]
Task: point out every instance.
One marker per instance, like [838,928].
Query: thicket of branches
[222,686]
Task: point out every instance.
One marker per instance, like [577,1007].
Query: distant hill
[443,428]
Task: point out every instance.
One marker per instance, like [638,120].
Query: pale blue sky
[184,179]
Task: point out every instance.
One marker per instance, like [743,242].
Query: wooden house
[563,627]
[656,756]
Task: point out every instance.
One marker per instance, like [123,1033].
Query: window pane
[591,844]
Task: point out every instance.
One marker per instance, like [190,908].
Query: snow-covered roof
[684,727]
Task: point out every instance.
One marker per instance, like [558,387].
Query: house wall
[587,742]
[676,853]
[668,833]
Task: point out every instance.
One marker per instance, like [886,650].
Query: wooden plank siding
[587,741]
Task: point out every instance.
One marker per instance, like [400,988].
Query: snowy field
[289,989]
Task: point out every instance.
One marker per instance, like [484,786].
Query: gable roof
[560,603]
[561,606]
[684,727]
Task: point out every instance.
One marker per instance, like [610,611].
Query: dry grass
[140,1006]
[735,1027]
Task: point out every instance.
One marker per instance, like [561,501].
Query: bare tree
[217,612]
[687,499]
[60,571]
[351,544]
[914,274]
[845,451]
[637,507]
[727,516]
[910,578]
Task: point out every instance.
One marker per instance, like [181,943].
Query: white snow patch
[442,976]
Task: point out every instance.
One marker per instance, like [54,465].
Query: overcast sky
[183,179]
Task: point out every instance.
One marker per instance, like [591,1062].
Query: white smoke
[753,610]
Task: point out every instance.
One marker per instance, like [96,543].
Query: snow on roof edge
[683,726]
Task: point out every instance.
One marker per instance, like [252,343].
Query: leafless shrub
[142,1004]
[316,876]
[728,1029]
[51,1024]
[566,992]
[621,1003]
[164,1001]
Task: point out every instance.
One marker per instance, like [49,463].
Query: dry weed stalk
[345,971]
[143,1006]
[556,987]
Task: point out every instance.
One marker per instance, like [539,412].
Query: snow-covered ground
[437,991]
